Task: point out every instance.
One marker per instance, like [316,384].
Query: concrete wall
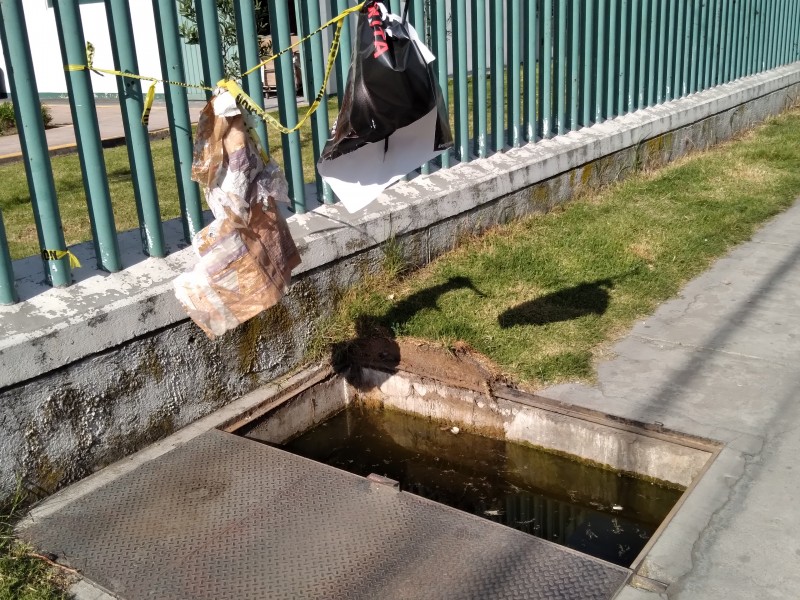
[94,371]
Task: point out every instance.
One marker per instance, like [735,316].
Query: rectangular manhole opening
[574,477]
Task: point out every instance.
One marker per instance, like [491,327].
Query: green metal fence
[518,71]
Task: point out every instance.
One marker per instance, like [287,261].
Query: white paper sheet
[359,177]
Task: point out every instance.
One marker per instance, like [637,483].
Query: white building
[46,55]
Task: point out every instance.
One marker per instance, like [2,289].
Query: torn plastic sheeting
[393,117]
[247,253]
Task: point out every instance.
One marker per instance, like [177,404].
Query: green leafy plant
[227,29]
[8,119]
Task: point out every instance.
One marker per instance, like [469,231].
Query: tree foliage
[227,29]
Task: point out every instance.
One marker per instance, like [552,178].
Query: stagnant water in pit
[592,510]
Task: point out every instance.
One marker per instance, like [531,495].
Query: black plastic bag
[390,86]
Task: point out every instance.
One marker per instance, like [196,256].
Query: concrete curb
[64,149]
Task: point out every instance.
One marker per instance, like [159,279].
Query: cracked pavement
[720,362]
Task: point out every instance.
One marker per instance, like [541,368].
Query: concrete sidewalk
[721,361]
[61,135]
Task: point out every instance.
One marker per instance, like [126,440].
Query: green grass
[23,576]
[543,297]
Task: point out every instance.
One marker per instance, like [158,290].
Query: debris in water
[616,507]
[495,512]
[454,430]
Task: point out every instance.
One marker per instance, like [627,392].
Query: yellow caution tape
[148,104]
[337,20]
[241,97]
[74,263]
[249,104]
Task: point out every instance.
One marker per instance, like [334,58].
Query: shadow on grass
[589,298]
[374,344]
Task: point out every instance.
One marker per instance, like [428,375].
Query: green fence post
[136,136]
[249,57]
[612,78]
[702,47]
[789,36]
[755,59]
[514,22]
[531,47]
[758,55]
[25,97]
[439,14]
[589,27]
[753,42]
[680,54]
[710,50]
[766,33]
[87,134]
[287,104]
[669,32]
[661,8]
[8,289]
[600,89]
[210,44]
[418,21]
[460,91]
[345,49]
[746,40]
[629,36]
[741,38]
[498,75]
[792,38]
[762,35]
[546,69]
[637,76]
[727,11]
[315,66]
[738,39]
[180,125]
[694,60]
[712,68]
[560,63]
[479,80]
[688,50]
[651,67]
[786,35]
[773,26]
[770,42]
[771,29]
[754,27]
[575,64]
[780,27]
[794,49]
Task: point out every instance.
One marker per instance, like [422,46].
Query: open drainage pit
[574,477]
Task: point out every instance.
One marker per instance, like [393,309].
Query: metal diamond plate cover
[227,517]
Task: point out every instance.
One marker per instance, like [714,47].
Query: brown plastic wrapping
[247,253]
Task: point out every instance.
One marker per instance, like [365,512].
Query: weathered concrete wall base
[97,381]
[481,413]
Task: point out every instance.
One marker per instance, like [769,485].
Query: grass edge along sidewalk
[24,576]
[543,298]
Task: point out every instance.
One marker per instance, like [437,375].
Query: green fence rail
[518,71]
